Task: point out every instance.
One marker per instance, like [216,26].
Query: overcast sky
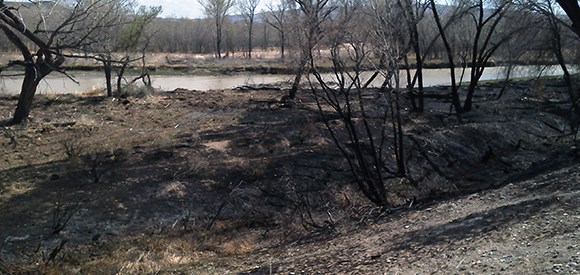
[184,8]
[176,8]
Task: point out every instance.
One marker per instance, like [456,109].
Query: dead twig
[223,204]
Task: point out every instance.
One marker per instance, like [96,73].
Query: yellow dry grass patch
[221,145]
[154,254]
[11,189]
[94,91]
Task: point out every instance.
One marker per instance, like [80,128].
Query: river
[87,81]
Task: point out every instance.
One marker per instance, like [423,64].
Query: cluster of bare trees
[45,33]
[386,35]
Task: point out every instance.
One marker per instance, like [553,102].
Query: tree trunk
[107,66]
[419,75]
[250,30]
[120,74]
[572,9]
[282,44]
[467,105]
[297,78]
[454,88]
[218,39]
[414,39]
[29,85]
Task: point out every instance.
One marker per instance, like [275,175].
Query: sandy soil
[234,181]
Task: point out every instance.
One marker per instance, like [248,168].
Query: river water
[87,81]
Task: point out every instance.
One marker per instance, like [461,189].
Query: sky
[183,8]
[176,8]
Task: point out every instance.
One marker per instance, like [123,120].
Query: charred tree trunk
[250,31]
[454,87]
[108,69]
[572,9]
[297,78]
[120,75]
[218,39]
[412,21]
[29,85]
[282,45]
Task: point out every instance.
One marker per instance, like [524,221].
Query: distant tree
[248,10]
[217,10]
[125,43]
[277,18]
[59,29]
[181,35]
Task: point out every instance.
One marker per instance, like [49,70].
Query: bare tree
[133,44]
[277,18]
[60,29]
[248,10]
[557,27]
[217,10]
[369,130]
[310,32]
[449,50]
[522,45]
[125,43]
[413,12]
[486,41]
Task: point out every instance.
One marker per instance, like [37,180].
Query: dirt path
[529,227]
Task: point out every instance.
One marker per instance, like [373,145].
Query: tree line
[244,28]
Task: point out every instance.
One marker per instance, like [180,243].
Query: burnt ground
[189,182]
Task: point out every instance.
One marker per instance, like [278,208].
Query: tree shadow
[473,225]
[157,188]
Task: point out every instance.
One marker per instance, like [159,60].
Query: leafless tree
[313,14]
[487,39]
[248,10]
[217,10]
[557,37]
[369,131]
[523,44]
[60,29]
[133,43]
[277,18]
[413,13]
[457,13]
[126,43]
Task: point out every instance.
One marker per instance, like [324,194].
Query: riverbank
[264,62]
[233,181]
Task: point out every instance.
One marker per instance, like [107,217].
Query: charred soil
[235,181]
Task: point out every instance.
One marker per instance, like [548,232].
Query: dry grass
[94,91]
[174,250]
